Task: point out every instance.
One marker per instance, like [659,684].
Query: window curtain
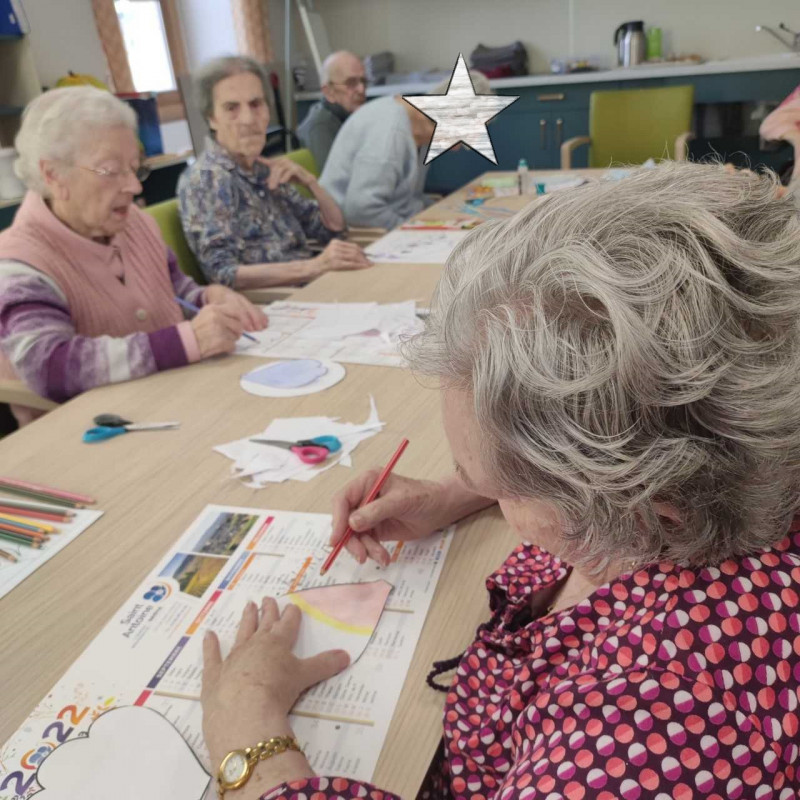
[251,23]
[105,17]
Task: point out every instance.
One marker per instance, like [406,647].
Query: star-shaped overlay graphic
[460,114]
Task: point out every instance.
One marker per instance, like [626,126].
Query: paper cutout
[128,753]
[288,374]
[328,374]
[338,617]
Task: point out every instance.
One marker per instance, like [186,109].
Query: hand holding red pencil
[374,492]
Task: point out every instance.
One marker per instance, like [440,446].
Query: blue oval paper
[288,374]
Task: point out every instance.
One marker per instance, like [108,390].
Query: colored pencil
[7,527]
[373,493]
[24,522]
[24,510]
[37,488]
[40,497]
[192,307]
[10,537]
[8,556]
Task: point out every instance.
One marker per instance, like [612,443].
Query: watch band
[261,752]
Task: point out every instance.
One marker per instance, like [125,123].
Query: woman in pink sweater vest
[87,284]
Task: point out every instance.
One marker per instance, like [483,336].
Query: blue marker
[192,307]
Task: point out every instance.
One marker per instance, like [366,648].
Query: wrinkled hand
[339,255]
[406,509]
[217,328]
[284,170]
[247,696]
[252,318]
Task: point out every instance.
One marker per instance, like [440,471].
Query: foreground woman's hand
[252,318]
[247,696]
[406,509]
[217,329]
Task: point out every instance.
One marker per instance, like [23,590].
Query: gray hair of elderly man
[211,73]
[57,123]
[634,343]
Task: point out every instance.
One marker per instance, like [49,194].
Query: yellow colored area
[363,630]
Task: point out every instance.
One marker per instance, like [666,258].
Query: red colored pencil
[37,488]
[25,511]
[387,471]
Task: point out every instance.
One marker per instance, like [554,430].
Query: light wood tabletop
[152,485]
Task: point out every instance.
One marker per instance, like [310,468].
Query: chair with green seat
[169,221]
[631,126]
[305,158]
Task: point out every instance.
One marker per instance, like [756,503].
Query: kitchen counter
[780,61]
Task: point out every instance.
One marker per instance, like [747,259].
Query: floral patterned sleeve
[207,207]
[327,788]
[307,212]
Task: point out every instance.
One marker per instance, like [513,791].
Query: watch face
[234,767]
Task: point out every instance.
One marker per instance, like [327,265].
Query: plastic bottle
[523,176]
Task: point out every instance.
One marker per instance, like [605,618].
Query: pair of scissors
[107,426]
[309,451]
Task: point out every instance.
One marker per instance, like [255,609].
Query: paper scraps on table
[260,464]
[440,224]
[352,333]
[415,247]
[128,753]
[338,617]
[293,378]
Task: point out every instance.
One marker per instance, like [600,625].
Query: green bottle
[653,43]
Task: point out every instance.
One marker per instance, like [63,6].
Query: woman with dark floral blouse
[618,366]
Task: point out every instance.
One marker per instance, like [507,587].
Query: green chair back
[169,221]
[305,158]
[631,126]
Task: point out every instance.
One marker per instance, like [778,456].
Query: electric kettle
[630,43]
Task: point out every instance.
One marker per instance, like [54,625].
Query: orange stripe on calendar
[261,531]
[299,576]
[203,613]
[241,572]
[397,550]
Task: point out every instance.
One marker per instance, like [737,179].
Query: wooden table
[152,485]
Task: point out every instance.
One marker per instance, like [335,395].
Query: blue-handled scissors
[309,451]
[102,432]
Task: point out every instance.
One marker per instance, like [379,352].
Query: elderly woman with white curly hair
[619,372]
[87,285]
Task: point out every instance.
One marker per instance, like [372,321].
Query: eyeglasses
[141,173]
[350,83]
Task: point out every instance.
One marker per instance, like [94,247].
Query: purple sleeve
[40,341]
[329,788]
[184,286]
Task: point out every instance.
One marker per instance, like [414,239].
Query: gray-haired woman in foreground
[619,371]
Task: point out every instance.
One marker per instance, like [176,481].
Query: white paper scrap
[260,464]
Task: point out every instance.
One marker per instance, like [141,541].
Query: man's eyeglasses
[142,173]
[350,83]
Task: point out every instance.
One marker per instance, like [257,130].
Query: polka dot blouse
[665,684]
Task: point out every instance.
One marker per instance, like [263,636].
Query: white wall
[427,34]
[64,37]
[208,30]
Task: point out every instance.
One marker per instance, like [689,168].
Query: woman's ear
[668,511]
[53,179]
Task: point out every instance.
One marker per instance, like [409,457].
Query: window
[146,42]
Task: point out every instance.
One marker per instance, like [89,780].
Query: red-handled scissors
[305,450]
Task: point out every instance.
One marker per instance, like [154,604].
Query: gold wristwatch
[238,765]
